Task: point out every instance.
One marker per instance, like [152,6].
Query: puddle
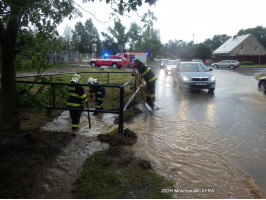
[55,181]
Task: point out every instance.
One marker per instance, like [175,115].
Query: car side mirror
[211,69]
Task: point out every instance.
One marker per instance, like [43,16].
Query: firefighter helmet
[75,78]
[91,81]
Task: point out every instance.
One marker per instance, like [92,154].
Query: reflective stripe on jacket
[76,96]
[99,91]
[146,73]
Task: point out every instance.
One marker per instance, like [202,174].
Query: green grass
[102,180]
[111,100]
[253,66]
[258,77]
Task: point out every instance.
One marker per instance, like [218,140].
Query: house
[241,48]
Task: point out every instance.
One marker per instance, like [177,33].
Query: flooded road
[210,145]
[213,144]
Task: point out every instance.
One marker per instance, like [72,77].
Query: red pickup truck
[108,60]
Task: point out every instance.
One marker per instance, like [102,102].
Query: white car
[171,65]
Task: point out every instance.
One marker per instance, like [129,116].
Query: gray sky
[180,19]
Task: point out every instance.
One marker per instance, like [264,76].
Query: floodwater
[57,177]
[210,145]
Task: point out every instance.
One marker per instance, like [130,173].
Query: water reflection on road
[199,140]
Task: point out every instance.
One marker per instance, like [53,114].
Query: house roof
[230,44]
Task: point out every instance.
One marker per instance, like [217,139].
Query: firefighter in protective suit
[95,87]
[150,79]
[76,98]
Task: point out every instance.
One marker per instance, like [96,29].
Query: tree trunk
[9,114]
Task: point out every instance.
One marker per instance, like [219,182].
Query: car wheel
[93,64]
[216,66]
[262,87]
[232,67]
[114,65]
[211,90]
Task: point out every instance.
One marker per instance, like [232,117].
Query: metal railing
[122,105]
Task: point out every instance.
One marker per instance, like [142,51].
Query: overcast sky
[180,19]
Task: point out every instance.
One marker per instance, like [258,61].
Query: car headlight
[213,78]
[184,78]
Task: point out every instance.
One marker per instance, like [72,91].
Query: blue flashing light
[106,54]
[147,53]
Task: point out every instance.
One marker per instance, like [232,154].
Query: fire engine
[131,56]
[108,60]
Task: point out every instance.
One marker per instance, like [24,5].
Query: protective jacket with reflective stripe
[146,73]
[99,91]
[76,95]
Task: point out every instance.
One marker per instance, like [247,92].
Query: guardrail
[122,107]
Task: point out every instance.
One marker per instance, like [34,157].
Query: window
[241,48]
[116,57]
[257,49]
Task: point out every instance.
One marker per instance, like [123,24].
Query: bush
[247,63]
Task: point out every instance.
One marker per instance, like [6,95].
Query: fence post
[53,96]
[121,111]
[135,88]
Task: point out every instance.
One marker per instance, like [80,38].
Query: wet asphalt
[236,112]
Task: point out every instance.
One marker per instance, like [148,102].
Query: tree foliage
[258,32]
[134,36]
[84,36]
[216,41]
[151,43]
[118,37]
[172,49]
[198,51]
[16,15]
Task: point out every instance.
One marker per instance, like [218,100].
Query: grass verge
[116,174]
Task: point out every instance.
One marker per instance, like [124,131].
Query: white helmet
[91,81]
[75,78]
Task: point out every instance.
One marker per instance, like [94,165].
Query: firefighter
[150,79]
[76,98]
[99,93]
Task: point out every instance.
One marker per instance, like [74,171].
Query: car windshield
[172,62]
[193,67]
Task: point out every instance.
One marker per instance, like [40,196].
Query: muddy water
[211,146]
[55,181]
[186,141]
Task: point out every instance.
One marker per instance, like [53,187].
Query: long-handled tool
[89,118]
[147,92]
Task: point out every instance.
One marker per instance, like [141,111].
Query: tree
[83,37]
[216,41]
[15,15]
[151,43]
[258,32]
[173,48]
[134,36]
[93,35]
[118,35]
[199,51]
[67,37]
